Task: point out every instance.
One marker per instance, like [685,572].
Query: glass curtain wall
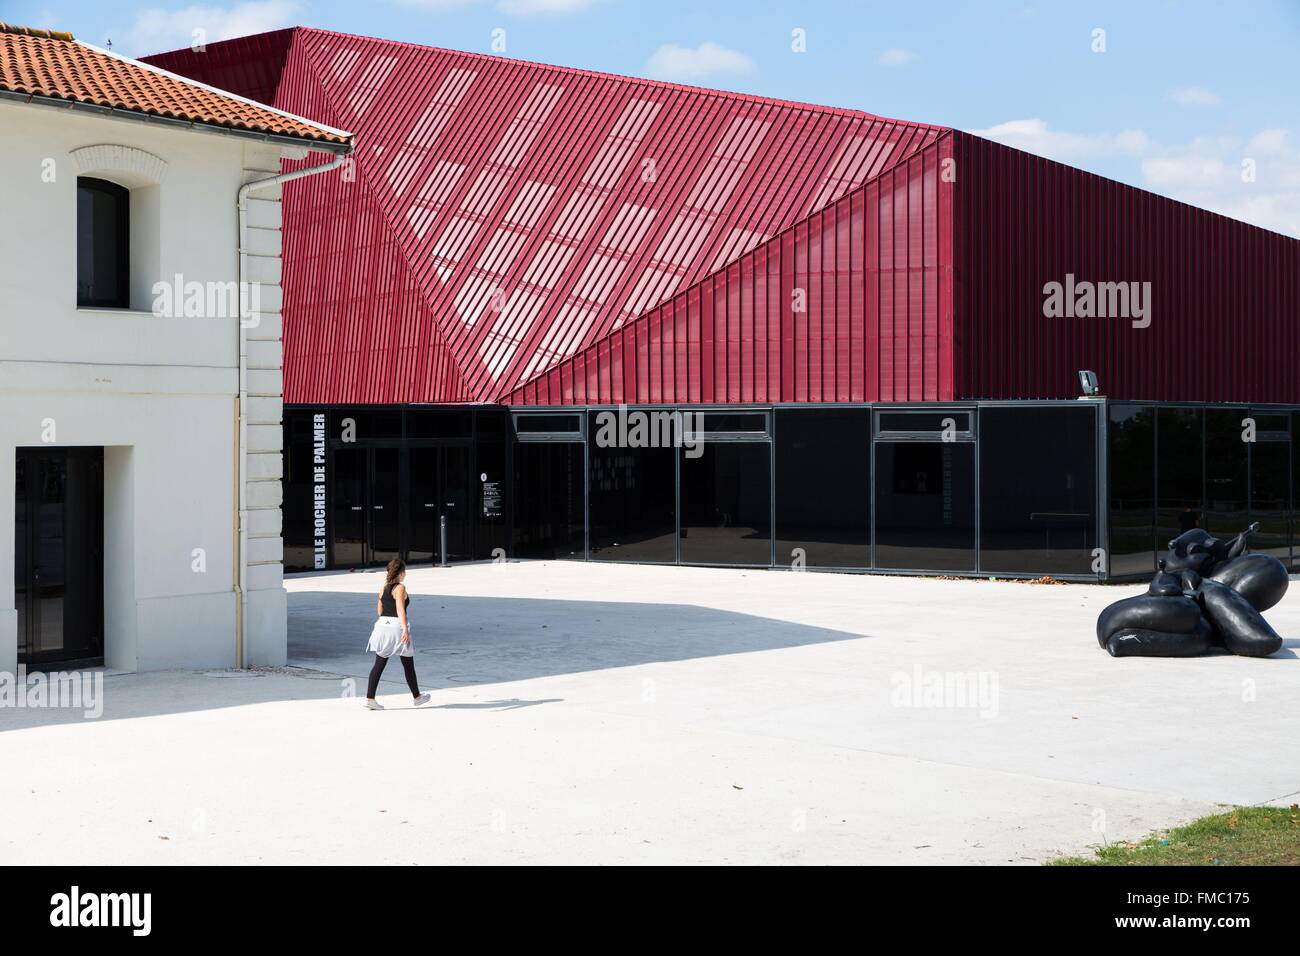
[1180,474]
[548,500]
[1131,454]
[1270,483]
[633,503]
[1226,472]
[1038,489]
[823,487]
[549,483]
[925,491]
[726,491]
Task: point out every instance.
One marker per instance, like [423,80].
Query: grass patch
[1244,836]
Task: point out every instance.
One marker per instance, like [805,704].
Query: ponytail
[395,569]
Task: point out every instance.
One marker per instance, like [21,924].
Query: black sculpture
[1207,594]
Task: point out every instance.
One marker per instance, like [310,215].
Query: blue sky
[1189,98]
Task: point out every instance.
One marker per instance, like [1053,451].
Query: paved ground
[598,713]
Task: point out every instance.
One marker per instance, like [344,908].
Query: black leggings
[408,667]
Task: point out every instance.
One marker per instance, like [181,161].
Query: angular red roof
[52,65]
[504,215]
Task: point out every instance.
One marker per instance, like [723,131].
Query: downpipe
[241,401]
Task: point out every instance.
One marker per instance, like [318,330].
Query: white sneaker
[373,705]
[422,699]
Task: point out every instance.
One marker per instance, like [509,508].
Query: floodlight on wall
[1088,384]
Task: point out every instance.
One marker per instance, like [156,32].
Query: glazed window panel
[925,506]
[1270,488]
[1180,474]
[1226,472]
[548,500]
[823,487]
[1038,490]
[1131,456]
[633,504]
[726,499]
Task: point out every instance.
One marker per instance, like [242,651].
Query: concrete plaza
[594,713]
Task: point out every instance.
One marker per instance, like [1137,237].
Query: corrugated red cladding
[853,304]
[540,235]
[535,209]
[1225,296]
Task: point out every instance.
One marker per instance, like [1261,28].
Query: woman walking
[392,635]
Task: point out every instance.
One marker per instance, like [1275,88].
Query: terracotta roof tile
[49,64]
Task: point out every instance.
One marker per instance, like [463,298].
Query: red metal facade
[946,300]
[535,209]
[540,235]
[1225,296]
[852,304]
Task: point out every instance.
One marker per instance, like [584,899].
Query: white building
[120,405]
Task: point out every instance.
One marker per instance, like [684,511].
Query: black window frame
[891,416]
[530,432]
[121,197]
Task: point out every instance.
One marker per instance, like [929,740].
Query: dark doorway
[548,518]
[439,489]
[389,502]
[925,505]
[59,556]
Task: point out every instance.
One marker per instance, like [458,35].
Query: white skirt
[386,639]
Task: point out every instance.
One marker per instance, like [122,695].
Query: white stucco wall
[159,394]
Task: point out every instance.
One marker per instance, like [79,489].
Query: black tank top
[388,605]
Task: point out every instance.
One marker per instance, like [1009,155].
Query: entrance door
[439,488]
[385,505]
[351,467]
[59,555]
[389,502]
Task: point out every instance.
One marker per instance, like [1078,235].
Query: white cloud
[1034,136]
[682,64]
[1194,96]
[897,57]
[525,7]
[1255,179]
[156,30]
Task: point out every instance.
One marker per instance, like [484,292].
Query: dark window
[734,422]
[633,501]
[959,422]
[103,244]
[1270,486]
[1225,472]
[823,487]
[353,425]
[548,500]
[925,506]
[1038,489]
[430,424]
[1180,486]
[1131,455]
[1270,426]
[727,504]
[548,424]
